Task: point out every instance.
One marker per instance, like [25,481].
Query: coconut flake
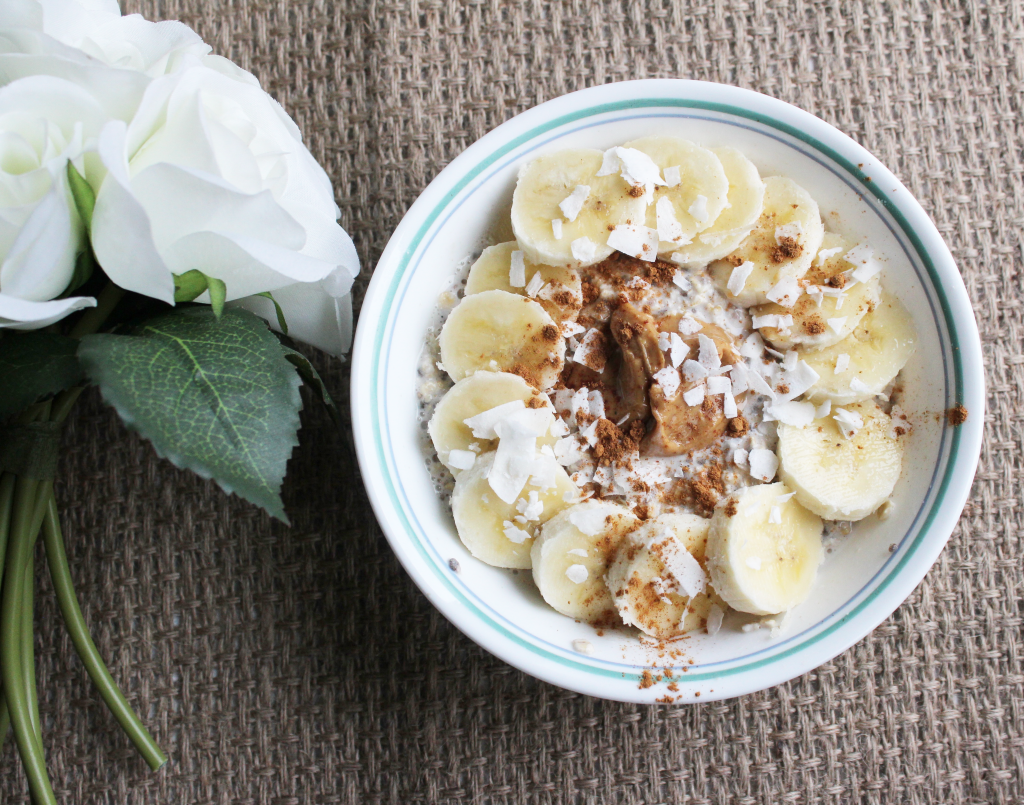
[517,270]
[678,349]
[739,458]
[763,464]
[823,410]
[693,371]
[672,176]
[668,379]
[866,265]
[715,616]
[775,515]
[663,342]
[669,228]
[825,254]
[867,271]
[635,240]
[570,450]
[577,574]
[636,168]
[596,400]
[789,360]
[754,562]
[785,292]
[534,285]
[752,346]
[849,422]
[531,507]
[779,322]
[719,385]
[837,323]
[590,520]
[739,276]
[798,414]
[699,209]
[583,249]
[577,552]
[689,325]
[571,328]
[462,459]
[482,424]
[573,203]
[688,576]
[729,407]
[739,378]
[708,355]
[793,230]
[589,351]
[556,228]
[514,533]
[694,396]
[559,428]
[681,282]
[842,363]
[799,380]
[759,385]
[590,432]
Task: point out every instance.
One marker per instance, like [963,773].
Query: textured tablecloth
[288,666]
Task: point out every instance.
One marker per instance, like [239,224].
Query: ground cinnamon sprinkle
[590,292]
[635,191]
[786,249]
[837,281]
[549,333]
[730,508]
[956,415]
[646,680]
[536,402]
[708,486]
[526,374]
[814,326]
[659,271]
[738,426]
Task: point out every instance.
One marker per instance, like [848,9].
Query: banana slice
[842,477]
[868,359]
[763,549]
[488,526]
[502,332]
[731,227]
[551,179]
[482,391]
[780,247]
[571,555]
[657,579]
[821,318]
[696,201]
[558,290]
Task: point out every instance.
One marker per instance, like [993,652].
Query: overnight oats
[667,390]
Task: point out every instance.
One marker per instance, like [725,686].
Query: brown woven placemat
[288,666]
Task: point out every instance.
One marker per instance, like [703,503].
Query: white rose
[211,174]
[44,123]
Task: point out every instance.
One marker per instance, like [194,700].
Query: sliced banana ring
[657,572]
[699,197]
[479,392]
[489,527]
[548,181]
[744,205]
[842,477]
[866,361]
[763,549]
[571,555]
[782,244]
[822,319]
[502,332]
[558,290]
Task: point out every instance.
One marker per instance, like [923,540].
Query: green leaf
[280,313]
[216,396]
[189,285]
[82,192]
[34,365]
[218,293]
[311,376]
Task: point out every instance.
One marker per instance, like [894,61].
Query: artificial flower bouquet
[161,225]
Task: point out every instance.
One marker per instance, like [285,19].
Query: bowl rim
[959,336]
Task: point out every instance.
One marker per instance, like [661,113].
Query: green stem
[68,602]
[5,720]
[28,652]
[6,504]
[94,317]
[11,621]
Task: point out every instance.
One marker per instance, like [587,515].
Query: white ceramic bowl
[860,583]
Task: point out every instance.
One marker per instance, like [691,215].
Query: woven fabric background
[288,666]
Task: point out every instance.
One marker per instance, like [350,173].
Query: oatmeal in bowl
[650,392]
[668,390]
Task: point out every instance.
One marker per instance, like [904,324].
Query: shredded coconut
[517,270]
[573,203]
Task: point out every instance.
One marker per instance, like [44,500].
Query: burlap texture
[288,666]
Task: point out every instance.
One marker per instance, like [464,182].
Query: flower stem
[93,318]
[5,720]
[68,602]
[28,653]
[20,546]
